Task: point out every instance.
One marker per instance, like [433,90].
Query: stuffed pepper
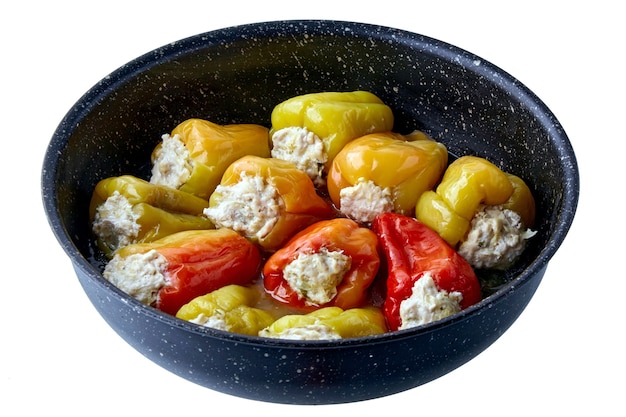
[330,263]
[427,279]
[174,270]
[328,323]
[230,308]
[309,130]
[197,152]
[127,209]
[483,211]
[267,200]
[385,172]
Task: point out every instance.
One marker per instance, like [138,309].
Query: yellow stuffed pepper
[385,172]
[481,210]
[197,152]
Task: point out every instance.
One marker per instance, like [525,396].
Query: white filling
[214,321]
[496,238]
[365,200]
[251,207]
[172,165]
[140,275]
[308,332]
[115,222]
[315,276]
[303,148]
[427,303]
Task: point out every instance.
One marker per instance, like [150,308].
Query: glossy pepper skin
[521,200]
[413,249]
[468,182]
[300,205]
[407,165]
[213,147]
[159,211]
[335,117]
[340,234]
[200,261]
[232,306]
[355,322]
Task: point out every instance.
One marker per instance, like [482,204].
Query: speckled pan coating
[237,75]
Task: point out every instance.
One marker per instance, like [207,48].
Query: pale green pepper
[328,323]
[230,308]
[127,209]
[309,130]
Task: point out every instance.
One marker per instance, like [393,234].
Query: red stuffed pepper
[427,279]
[174,270]
[330,263]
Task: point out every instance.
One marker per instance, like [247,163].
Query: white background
[566,352]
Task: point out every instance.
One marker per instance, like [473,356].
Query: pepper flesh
[156,211]
[229,308]
[298,203]
[412,250]
[521,200]
[406,165]
[198,262]
[336,235]
[468,182]
[335,117]
[338,323]
[211,148]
